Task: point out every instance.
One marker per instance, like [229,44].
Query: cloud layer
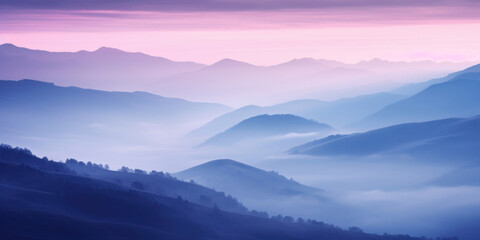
[225,5]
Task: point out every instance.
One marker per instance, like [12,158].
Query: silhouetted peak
[12,49]
[303,60]
[373,61]
[223,164]
[227,62]
[8,45]
[35,82]
[277,117]
[108,50]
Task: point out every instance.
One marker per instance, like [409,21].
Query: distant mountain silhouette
[227,81]
[239,80]
[264,126]
[245,181]
[455,139]
[35,108]
[337,113]
[105,68]
[43,203]
[458,97]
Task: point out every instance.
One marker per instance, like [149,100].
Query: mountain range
[457,97]
[226,81]
[35,108]
[454,139]
[339,113]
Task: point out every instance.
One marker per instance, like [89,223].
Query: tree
[355,229]
[137,185]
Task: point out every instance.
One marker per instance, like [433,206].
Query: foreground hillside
[41,199]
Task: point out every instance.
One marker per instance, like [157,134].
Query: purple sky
[261,32]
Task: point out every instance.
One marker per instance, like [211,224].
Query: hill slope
[105,68]
[242,180]
[45,204]
[264,126]
[414,88]
[337,113]
[448,139]
[38,107]
[458,97]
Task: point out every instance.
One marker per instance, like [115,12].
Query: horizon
[259,33]
[240,119]
[271,65]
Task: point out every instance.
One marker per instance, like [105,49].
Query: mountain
[32,107]
[93,124]
[259,189]
[242,180]
[264,126]
[414,88]
[105,68]
[458,97]
[227,81]
[154,182]
[47,204]
[338,114]
[448,139]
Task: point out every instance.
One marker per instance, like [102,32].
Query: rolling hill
[264,126]
[245,181]
[458,97]
[414,88]
[338,114]
[454,139]
[40,109]
[51,203]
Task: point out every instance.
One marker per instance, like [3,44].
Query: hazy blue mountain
[259,189]
[454,139]
[264,126]
[307,65]
[40,108]
[245,181]
[47,204]
[414,88]
[337,113]
[105,68]
[458,97]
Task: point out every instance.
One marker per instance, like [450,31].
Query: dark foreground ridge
[42,199]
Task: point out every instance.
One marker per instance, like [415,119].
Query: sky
[260,32]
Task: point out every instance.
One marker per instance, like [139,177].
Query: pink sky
[259,37]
